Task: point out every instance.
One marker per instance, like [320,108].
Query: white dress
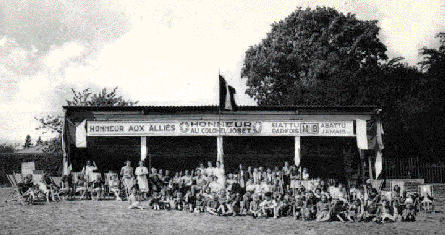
[219,172]
[141,173]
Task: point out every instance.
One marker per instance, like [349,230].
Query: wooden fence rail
[412,168]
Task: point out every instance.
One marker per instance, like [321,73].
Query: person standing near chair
[141,173]
[88,171]
[127,173]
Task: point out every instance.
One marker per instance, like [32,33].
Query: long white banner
[225,128]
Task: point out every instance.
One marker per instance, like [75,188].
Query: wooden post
[370,168]
[297,150]
[220,150]
[143,147]
[362,161]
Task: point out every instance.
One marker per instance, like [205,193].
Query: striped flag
[226,95]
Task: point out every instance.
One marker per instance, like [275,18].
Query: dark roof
[214,108]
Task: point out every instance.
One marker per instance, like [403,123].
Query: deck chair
[28,197]
[377,184]
[16,194]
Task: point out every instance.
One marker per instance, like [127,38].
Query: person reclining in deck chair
[25,184]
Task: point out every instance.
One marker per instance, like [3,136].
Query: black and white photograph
[222,117]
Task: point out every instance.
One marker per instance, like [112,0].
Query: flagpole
[219,117]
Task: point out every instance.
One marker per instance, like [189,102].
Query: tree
[39,141]
[27,142]
[5,148]
[104,98]
[54,124]
[313,57]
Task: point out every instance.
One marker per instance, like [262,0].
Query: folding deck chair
[18,196]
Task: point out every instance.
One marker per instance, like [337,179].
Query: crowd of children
[264,193]
[256,192]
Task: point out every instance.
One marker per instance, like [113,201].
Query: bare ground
[112,217]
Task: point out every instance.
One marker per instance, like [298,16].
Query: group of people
[257,192]
[262,193]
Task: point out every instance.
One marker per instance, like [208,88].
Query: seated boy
[269,206]
[179,201]
[409,213]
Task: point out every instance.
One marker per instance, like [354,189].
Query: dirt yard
[112,217]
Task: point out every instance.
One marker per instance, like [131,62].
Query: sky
[160,52]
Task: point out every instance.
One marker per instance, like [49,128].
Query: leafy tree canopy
[312,57]
[54,124]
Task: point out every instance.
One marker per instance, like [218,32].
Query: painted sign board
[225,128]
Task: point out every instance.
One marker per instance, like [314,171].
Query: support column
[362,161]
[370,168]
[220,150]
[297,150]
[143,148]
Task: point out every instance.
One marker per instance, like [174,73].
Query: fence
[405,168]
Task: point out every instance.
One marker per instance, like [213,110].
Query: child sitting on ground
[323,210]
[354,211]
[310,207]
[179,202]
[133,199]
[200,203]
[255,209]
[245,203]
[298,207]
[155,200]
[213,205]
[384,213]
[409,213]
[268,206]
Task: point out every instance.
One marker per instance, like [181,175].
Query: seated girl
[384,213]
[115,187]
[323,210]
[82,187]
[354,211]
[133,199]
[213,205]
[255,209]
[97,186]
[298,206]
[245,203]
[200,203]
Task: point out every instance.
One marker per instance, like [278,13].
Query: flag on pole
[362,139]
[66,143]
[379,147]
[226,95]
[81,134]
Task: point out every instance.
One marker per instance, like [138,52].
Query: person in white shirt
[141,173]
[88,170]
